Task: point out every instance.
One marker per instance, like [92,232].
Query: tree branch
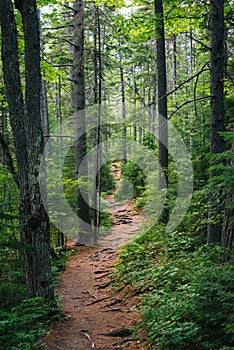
[56,28]
[198,41]
[188,80]
[69,8]
[190,101]
[184,82]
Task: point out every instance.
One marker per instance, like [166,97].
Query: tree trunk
[162,102]
[217,104]
[44,111]
[228,224]
[123,100]
[28,142]
[174,63]
[78,103]
[134,100]
[97,181]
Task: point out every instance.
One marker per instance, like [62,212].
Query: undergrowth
[187,295]
[22,325]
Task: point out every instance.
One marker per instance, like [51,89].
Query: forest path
[92,307]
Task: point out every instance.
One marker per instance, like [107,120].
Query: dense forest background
[138,69]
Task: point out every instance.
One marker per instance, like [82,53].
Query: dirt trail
[93,309]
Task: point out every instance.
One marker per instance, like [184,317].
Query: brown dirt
[92,308]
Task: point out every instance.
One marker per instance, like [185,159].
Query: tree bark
[44,111]
[162,102]
[123,101]
[78,103]
[174,62]
[28,142]
[228,224]
[98,80]
[217,104]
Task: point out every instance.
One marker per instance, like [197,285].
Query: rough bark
[28,142]
[162,101]
[123,101]
[44,111]
[228,223]
[98,79]
[217,103]
[78,103]
[174,62]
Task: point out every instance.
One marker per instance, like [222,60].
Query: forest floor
[93,309]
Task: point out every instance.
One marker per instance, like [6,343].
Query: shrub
[187,294]
[21,327]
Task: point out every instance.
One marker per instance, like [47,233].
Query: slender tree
[123,101]
[98,99]
[217,104]
[162,100]
[227,239]
[78,103]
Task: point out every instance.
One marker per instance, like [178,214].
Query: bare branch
[56,28]
[198,41]
[69,8]
[188,80]
[190,101]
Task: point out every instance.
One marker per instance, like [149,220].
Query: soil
[92,308]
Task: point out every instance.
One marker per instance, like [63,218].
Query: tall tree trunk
[123,100]
[58,106]
[97,182]
[217,104]
[228,226]
[95,56]
[78,102]
[28,142]
[162,102]
[154,107]
[134,100]
[174,63]
[44,111]
[227,240]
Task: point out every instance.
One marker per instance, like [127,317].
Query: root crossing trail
[98,317]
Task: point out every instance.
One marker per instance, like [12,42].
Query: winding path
[94,311]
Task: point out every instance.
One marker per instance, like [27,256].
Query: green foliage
[58,263]
[108,182]
[187,295]
[21,327]
[22,322]
[196,314]
[12,282]
[135,175]
[105,223]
